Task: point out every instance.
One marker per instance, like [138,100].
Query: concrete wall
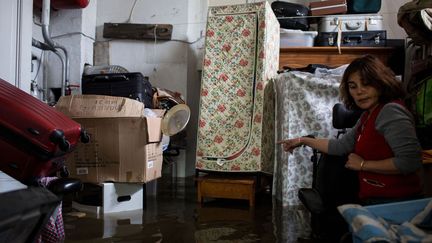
[197,18]
[75,30]
[164,62]
[15,44]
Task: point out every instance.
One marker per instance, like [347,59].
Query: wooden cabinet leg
[199,197]
[252,196]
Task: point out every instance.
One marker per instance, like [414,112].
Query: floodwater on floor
[172,214]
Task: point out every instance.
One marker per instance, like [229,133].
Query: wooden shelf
[297,57]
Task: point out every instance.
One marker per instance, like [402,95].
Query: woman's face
[365,96]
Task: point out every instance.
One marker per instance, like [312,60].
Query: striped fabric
[365,225]
[369,227]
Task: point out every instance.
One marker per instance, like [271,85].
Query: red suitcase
[34,137]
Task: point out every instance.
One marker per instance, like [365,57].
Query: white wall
[170,64]
[73,29]
[197,18]
[15,44]
[164,62]
[389,9]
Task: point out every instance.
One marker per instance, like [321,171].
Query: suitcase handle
[351,26]
[121,77]
[349,38]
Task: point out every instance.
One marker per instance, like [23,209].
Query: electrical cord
[131,12]
[155,39]
[73,33]
[127,21]
[39,65]
[187,42]
[66,34]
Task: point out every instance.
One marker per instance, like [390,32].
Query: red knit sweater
[371,145]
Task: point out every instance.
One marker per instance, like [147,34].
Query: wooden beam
[137,31]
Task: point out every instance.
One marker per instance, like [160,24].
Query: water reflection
[174,216]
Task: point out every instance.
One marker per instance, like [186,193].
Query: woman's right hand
[290,144]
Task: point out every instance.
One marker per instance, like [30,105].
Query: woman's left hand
[354,162]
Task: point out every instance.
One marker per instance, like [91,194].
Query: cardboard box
[99,106]
[124,145]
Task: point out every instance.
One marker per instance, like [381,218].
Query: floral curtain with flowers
[304,106]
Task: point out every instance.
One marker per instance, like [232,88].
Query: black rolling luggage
[131,85]
[352,38]
[290,15]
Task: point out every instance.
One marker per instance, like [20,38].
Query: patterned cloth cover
[236,122]
[53,231]
[304,106]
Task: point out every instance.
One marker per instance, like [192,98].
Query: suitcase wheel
[64,172]
[85,137]
[58,137]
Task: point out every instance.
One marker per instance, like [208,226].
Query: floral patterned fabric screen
[304,106]
[236,130]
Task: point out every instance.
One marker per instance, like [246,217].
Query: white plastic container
[299,38]
[116,197]
[353,22]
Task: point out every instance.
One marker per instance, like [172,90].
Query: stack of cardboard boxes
[124,147]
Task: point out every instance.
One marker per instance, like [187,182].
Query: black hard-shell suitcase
[131,85]
[352,38]
[34,137]
[285,10]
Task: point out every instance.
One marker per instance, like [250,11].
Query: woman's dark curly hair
[372,72]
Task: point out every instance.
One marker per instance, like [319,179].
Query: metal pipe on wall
[41,45]
[63,62]
[46,6]
[46,47]
[66,68]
